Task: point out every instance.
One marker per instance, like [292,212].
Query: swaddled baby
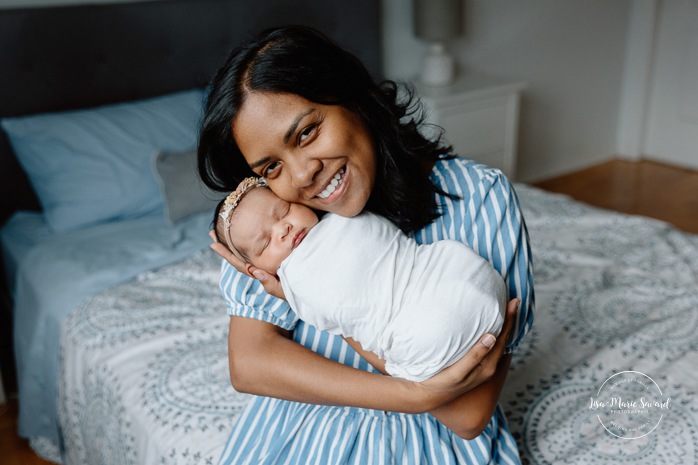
[418,307]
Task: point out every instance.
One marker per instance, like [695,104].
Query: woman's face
[321,156]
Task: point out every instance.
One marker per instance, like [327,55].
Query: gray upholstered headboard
[61,58]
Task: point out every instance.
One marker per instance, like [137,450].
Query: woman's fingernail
[259,275]
[518,303]
[488,341]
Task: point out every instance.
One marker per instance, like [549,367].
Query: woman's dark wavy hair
[302,61]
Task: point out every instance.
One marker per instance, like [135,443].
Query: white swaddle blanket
[418,307]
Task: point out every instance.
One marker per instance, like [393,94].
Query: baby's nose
[283,230]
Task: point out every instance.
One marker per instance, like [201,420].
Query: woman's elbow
[253,348]
[468,435]
[239,385]
[240,377]
[471,428]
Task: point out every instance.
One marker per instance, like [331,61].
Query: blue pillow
[92,166]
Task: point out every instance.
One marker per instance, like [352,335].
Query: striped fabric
[273,431]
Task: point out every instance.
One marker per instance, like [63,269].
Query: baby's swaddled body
[418,307]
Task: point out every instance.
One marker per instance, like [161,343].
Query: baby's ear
[249,269]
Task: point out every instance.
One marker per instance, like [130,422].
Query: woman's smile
[335,187]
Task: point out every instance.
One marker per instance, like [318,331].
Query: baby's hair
[224,212]
[217,225]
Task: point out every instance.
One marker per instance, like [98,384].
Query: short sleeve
[488,218]
[246,297]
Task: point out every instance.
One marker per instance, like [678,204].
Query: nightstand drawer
[480,117]
[478,134]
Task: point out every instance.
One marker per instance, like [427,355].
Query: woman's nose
[304,170]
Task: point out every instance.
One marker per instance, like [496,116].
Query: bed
[100,108]
[120,331]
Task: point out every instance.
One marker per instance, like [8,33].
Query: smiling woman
[292,106]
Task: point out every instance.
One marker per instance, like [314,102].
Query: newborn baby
[420,308]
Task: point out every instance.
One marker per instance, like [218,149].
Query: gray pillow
[182,189]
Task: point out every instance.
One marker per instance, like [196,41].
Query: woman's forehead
[265,121]
[271,109]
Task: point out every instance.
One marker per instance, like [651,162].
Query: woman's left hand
[270,282]
[476,366]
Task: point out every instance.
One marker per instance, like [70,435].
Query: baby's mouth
[334,183]
[298,238]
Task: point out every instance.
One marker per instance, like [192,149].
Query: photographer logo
[630,405]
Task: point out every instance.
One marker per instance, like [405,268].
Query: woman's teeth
[332,186]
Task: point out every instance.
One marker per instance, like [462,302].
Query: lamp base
[438,67]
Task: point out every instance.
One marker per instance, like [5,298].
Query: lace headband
[232,201]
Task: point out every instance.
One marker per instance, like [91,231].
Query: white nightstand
[480,116]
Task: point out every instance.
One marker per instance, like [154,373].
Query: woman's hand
[476,367]
[270,282]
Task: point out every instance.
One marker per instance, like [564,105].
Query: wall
[570,53]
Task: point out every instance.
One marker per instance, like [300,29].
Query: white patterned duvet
[144,370]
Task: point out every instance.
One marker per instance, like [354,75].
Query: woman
[295,108]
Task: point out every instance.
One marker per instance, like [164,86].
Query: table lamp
[437,21]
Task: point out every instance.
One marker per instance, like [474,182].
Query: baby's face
[267,229]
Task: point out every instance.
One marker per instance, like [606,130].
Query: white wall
[570,53]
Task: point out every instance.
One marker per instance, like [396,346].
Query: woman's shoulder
[457,175]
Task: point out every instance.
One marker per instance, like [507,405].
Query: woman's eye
[269,169]
[307,132]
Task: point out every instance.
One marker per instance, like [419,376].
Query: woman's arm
[494,227]
[497,231]
[468,415]
[265,361]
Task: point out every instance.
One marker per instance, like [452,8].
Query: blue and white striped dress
[273,431]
